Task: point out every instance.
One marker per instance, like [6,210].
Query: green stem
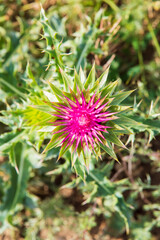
[154,38]
[19,181]
[140,58]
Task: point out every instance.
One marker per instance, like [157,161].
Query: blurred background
[126,32]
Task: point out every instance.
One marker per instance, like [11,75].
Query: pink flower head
[80,122]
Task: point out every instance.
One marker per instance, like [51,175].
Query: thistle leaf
[63,149]
[82,76]
[50,96]
[43,108]
[7,139]
[109,150]
[12,158]
[114,139]
[103,78]
[53,45]
[53,142]
[80,169]
[66,79]
[77,81]
[91,78]
[56,91]
[126,121]
[47,129]
[30,74]
[108,90]
[95,87]
[118,98]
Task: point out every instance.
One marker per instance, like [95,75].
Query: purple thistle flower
[80,122]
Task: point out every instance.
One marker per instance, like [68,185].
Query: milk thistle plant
[87,117]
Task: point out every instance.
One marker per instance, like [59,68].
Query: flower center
[83,120]
[80,121]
